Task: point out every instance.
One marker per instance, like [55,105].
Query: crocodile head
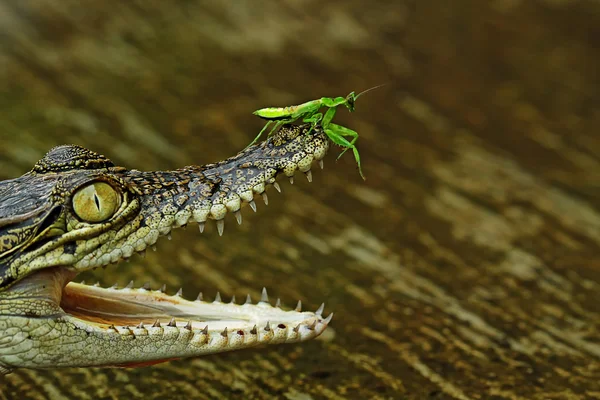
[76,211]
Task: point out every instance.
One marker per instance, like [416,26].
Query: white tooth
[328,319]
[179,292]
[292,180]
[238,217]
[320,309]
[265,198]
[321,164]
[248,299]
[308,175]
[278,303]
[201,226]
[200,297]
[129,285]
[277,187]
[252,205]
[153,248]
[169,236]
[264,296]
[299,306]
[221,226]
[218,298]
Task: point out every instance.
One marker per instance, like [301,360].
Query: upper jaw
[161,201]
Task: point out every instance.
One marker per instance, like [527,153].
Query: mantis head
[351,98]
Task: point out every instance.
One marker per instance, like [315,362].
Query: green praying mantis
[309,112]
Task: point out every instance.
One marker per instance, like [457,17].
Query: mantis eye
[96,202]
[350,99]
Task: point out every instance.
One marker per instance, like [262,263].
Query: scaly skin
[47,321]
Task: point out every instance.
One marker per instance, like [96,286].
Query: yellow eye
[96,202]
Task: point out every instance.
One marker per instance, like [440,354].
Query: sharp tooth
[146,286]
[321,164]
[264,297]
[205,330]
[82,282]
[320,309]
[218,298]
[163,288]
[268,327]
[114,286]
[179,292]
[308,175]
[328,319]
[200,297]
[265,198]
[153,248]
[224,333]
[201,226]
[169,236]
[129,285]
[141,325]
[252,205]
[292,180]
[97,284]
[156,324]
[232,299]
[221,226]
[188,326]
[313,325]
[172,323]
[254,330]
[238,217]
[299,306]
[278,303]
[296,328]
[277,187]
[248,299]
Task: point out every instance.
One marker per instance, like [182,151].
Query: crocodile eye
[96,202]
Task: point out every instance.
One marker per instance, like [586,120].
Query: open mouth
[133,309]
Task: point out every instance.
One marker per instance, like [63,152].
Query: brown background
[467,266]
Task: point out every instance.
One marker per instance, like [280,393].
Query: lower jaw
[112,307]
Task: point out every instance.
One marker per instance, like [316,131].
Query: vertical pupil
[97,201]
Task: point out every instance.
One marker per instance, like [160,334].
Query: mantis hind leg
[260,134]
[278,125]
[336,133]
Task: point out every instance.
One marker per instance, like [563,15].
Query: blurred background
[467,266]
